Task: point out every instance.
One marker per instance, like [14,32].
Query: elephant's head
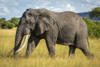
[25,27]
[28,20]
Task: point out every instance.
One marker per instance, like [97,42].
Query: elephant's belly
[65,41]
[66,35]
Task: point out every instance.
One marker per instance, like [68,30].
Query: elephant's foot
[71,55]
[52,54]
[15,54]
[28,54]
[87,53]
[90,55]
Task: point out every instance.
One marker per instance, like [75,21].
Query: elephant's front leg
[51,47]
[32,43]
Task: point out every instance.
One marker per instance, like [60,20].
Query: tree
[7,25]
[93,28]
[2,20]
[15,21]
[95,12]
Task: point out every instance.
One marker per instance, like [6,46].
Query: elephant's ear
[41,28]
[50,16]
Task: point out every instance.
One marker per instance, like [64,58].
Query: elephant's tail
[88,42]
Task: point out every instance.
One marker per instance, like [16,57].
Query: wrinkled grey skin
[26,26]
[65,28]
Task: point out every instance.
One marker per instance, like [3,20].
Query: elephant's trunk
[18,39]
[19,36]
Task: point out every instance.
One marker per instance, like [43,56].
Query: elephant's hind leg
[81,44]
[87,53]
[71,50]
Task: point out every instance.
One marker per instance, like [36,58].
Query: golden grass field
[40,57]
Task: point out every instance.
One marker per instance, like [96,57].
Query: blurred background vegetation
[93,26]
[4,24]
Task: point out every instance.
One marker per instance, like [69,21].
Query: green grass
[40,56]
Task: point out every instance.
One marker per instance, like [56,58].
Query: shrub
[7,25]
[93,28]
[97,22]
[1,24]
[15,21]
[2,20]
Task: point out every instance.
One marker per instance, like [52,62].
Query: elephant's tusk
[25,40]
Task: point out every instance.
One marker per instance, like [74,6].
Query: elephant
[65,28]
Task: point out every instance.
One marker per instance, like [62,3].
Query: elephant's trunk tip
[24,43]
[11,51]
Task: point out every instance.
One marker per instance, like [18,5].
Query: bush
[7,25]
[1,24]
[97,22]
[15,21]
[2,20]
[93,28]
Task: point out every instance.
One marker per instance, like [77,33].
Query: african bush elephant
[66,28]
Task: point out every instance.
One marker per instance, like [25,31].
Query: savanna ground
[40,57]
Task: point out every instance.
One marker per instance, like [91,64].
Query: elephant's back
[69,24]
[68,16]
[69,19]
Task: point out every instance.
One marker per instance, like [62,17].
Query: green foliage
[9,24]
[93,28]
[97,22]
[95,12]
[2,20]
[1,24]
[15,21]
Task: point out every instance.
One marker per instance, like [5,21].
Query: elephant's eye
[30,14]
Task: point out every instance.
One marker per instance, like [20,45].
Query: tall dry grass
[40,57]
